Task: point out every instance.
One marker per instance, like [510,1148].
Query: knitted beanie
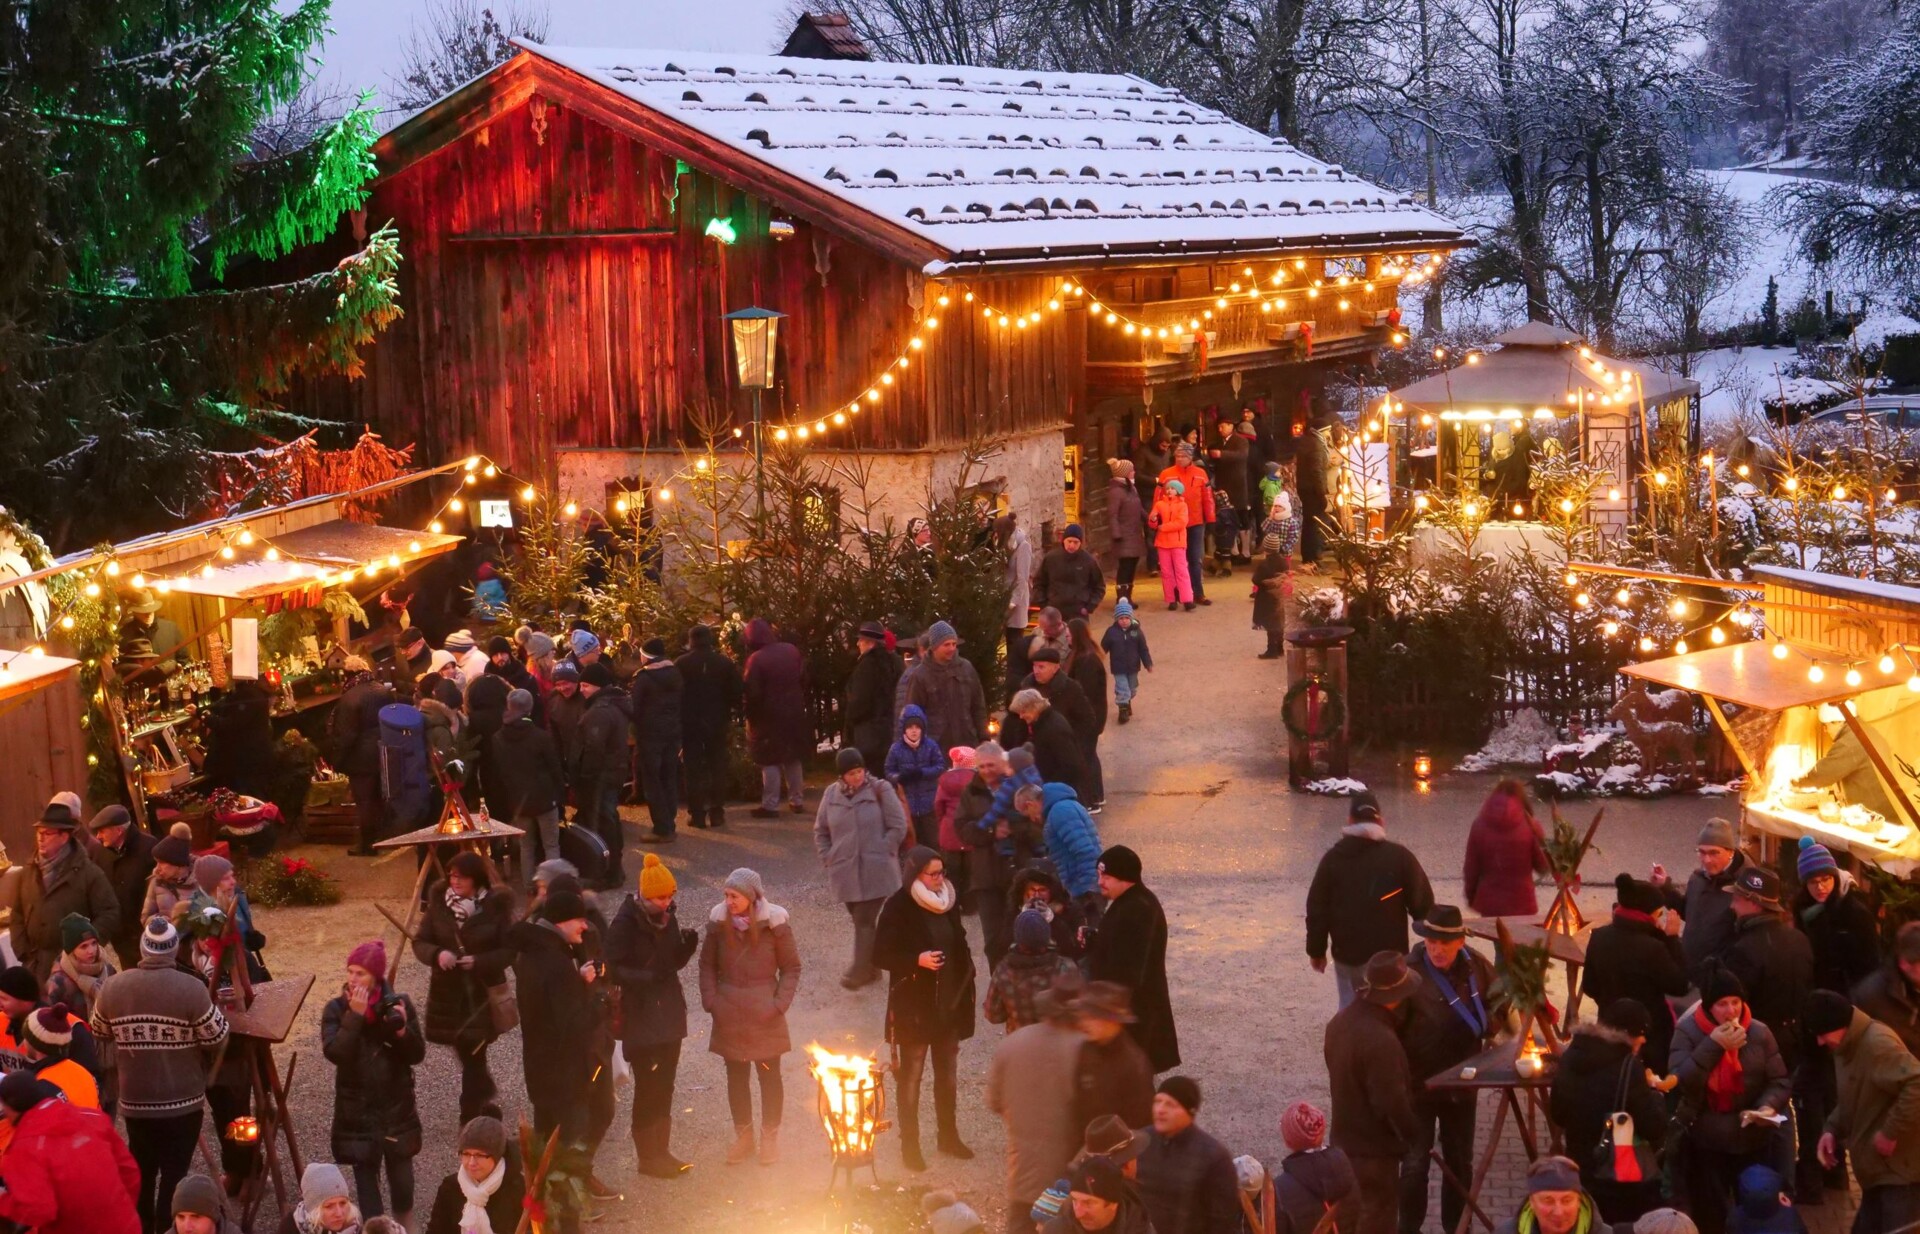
[846,759]
[1665,1221]
[51,1028]
[158,939]
[19,982]
[1718,833]
[519,705]
[209,871]
[1122,607]
[199,1196]
[554,867]
[961,757]
[656,881]
[1183,1089]
[74,930]
[582,642]
[747,883]
[564,906]
[1303,1126]
[1032,932]
[1815,858]
[173,851]
[1827,1012]
[370,955]
[22,1090]
[1553,1174]
[486,1135]
[323,1181]
[1722,983]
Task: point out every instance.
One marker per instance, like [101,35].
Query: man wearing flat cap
[124,854]
[1372,1086]
[60,879]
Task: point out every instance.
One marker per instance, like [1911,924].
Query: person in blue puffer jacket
[916,763]
[1072,839]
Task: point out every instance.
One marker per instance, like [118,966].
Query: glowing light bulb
[1613,494]
[1779,651]
[66,623]
[245,537]
[113,569]
[1660,478]
[1623,596]
[1791,484]
[620,505]
[1717,635]
[436,527]
[1680,647]
[226,552]
[1839,492]
[1913,683]
[1610,629]
[779,434]
[1572,578]
[470,478]
[1743,471]
[272,554]
[1566,505]
[1678,608]
[456,505]
[1420,502]
[1816,674]
[472,463]
[665,494]
[1646,644]
[1853,677]
[491,471]
[162,585]
[570,509]
[1518,509]
[1583,599]
[92,589]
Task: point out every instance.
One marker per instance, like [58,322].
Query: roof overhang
[305,558]
[1749,675]
[510,85]
[23,672]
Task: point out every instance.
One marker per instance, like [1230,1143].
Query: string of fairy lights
[1268,290]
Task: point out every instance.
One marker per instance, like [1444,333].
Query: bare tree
[456,41]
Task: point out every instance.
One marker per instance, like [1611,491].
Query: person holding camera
[462,939]
[371,1035]
[922,943]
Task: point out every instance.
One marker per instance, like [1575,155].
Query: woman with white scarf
[921,941]
[483,1195]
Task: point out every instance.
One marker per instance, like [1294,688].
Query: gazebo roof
[1539,368]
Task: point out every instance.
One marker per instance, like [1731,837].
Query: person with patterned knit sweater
[163,1030]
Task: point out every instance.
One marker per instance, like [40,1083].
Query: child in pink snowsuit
[1169,521]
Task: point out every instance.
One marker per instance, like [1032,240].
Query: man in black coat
[710,690]
[1450,1022]
[353,740]
[1056,747]
[1187,1177]
[1130,949]
[529,783]
[600,764]
[656,691]
[1372,1086]
[1772,959]
[124,854]
[1061,691]
[867,715]
[486,707]
[1891,994]
[1364,892]
[1069,577]
[646,949]
[1112,1076]
[556,1016]
[1637,955]
[1706,903]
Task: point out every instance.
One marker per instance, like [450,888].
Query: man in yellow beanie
[646,949]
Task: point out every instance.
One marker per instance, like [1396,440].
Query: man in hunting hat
[1450,1022]
[1373,1113]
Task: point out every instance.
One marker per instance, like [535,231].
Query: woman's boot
[742,1145]
[770,1144]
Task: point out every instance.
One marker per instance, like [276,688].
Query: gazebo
[1542,372]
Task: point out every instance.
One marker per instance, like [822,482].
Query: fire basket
[852,1102]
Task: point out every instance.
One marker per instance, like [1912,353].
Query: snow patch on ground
[1520,742]
[1335,786]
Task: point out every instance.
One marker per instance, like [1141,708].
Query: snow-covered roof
[1000,165]
[1841,585]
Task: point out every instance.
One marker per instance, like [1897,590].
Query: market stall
[1478,420]
[1824,717]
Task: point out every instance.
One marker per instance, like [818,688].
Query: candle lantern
[1422,766]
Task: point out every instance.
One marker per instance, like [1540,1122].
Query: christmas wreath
[1331,715]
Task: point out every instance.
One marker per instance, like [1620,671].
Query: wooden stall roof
[24,672]
[304,554]
[1748,675]
[1841,586]
[1535,367]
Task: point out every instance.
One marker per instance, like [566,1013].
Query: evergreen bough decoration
[131,180]
[1520,975]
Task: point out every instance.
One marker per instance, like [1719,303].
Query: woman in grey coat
[1733,1083]
[1126,524]
[858,833]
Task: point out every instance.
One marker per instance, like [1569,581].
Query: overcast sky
[365,47]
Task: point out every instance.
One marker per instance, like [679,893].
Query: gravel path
[1197,784]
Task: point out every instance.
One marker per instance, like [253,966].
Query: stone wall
[885,484]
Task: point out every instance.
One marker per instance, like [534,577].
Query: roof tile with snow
[1003,165]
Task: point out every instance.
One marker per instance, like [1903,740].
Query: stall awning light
[721,229]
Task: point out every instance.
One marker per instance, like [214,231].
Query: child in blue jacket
[1126,646]
[916,763]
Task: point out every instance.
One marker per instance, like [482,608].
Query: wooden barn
[1053,260]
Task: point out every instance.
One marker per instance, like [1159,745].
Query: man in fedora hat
[144,621]
[1449,1023]
[1032,1085]
[867,713]
[1372,1086]
[1113,1075]
[59,880]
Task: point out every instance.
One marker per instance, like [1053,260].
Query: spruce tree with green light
[140,324]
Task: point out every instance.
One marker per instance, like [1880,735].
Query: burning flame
[850,1096]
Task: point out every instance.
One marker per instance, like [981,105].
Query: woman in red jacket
[1503,854]
[67,1170]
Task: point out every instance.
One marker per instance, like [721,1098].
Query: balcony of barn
[1157,327]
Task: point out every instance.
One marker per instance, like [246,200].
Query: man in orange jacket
[1199,493]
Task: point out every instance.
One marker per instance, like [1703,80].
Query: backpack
[406,775]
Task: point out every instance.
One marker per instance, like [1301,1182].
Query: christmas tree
[130,186]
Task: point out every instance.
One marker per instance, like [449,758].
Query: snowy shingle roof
[995,164]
